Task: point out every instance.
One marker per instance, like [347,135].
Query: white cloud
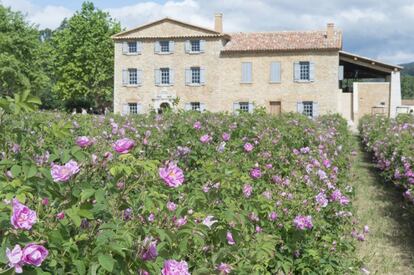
[49,16]
[377,29]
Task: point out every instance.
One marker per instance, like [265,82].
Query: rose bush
[391,141]
[176,194]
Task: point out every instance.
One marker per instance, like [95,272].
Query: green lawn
[389,247]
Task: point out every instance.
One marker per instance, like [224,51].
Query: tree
[21,67]
[407,86]
[83,58]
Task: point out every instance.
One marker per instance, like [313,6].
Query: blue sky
[380,29]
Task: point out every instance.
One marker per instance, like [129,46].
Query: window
[165,75]
[133,108]
[133,76]
[308,108]
[165,46]
[195,75]
[195,106]
[132,47]
[304,71]
[195,45]
[244,107]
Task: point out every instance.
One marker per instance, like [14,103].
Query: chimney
[330,30]
[218,22]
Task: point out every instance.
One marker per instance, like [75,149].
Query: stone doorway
[163,107]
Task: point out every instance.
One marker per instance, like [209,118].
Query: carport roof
[368,62]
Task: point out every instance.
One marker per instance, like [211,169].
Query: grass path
[389,248]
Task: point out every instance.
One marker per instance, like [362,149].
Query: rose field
[180,193]
[391,142]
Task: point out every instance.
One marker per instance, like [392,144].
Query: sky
[379,29]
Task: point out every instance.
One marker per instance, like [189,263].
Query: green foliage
[83,52]
[96,238]
[407,86]
[21,53]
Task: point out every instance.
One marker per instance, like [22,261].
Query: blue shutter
[139,108]
[311,71]
[139,76]
[187,46]
[125,77]
[275,72]
[202,76]
[202,107]
[125,48]
[300,107]
[236,107]
[139,47]
[246,72]
[315,109]
[296,71]
[187,76]
[171,76]
[187,107]
[341,73]
[202,45]
[157,47]
[251,107]
[125,109]
[157,75]
[171,46]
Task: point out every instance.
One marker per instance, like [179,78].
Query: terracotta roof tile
[283,41]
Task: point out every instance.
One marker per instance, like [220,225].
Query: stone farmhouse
[173,64]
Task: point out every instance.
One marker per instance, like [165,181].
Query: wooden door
[275,107]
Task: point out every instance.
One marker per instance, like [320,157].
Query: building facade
[173,64]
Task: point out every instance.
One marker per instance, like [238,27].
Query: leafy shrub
[391,142]
[213,193]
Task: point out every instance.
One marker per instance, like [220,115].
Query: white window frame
[196,75]
[196,43]
[133,108]
[308,108]
[132,75]
[165,76]
[164,44]
[195,106]
[304,71]
[244,107]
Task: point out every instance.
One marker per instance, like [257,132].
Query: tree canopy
[83,57]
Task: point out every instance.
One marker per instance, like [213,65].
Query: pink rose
[62,173]
[22,216]
[15,258]
[123,146]
[230,239]
[60,215]
[173,267]
[172,175]
[34,254]
[84,141]
[206,139]
[248,147]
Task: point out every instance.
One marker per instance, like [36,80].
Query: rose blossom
[62,173]
[225,136]
[22,216]
[303,222]
[255,173]
[248,147]
[229,238]
[171,206]
[123,146]
[206,139]
[149,252]
[60,215]
[84,141]
[224,268]
[180,222]
[15,258]
[172,175]
[247,190]
[173,267]
[34,254]
[197,125]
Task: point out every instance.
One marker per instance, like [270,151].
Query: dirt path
[389,248]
